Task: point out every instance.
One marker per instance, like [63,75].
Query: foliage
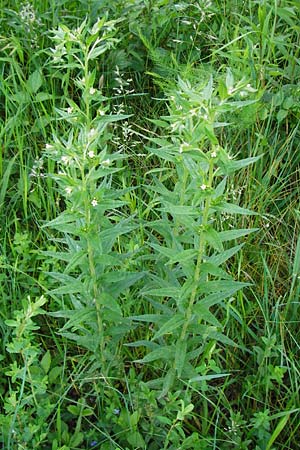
[149,225]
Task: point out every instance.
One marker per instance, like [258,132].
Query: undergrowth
[150,251]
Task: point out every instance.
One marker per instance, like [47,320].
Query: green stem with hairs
[201,253]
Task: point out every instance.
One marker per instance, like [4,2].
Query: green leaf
[170,326]
[180,210]
[296,263]
[235,234]
[279,427]
[54,374]
[203,313]
[73,410]
[172,292]
[71,284]
[46,362]
[65,222]
[221,285]
[183,256]
[135,439]
[108,237]
[134,419]
[209,377]
[229,80]
[97,51]
[163,153]
[89,341]
[42,96]
[163,353]
[110,303]
[212,269]
[230,166]
[77,318]
[212,237]
[168,252]
[209,131]
[220,337]
[168,382]
[224,256]
[147,318]
[34,81]
[231,208]
[208,90]
[5,179]
[217,298]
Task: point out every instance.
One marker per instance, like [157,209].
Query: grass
[149,270]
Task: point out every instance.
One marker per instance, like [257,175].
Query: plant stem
[201,253]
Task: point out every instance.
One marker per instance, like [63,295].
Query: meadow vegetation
[150,251]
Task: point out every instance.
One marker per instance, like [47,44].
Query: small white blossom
[92,133]
[68,190]
[105,163]
[27,13]
[69,110]
[183,146]
[48,146]
[101,112]
[94,202]
[213,154]
[65,159]
[91,154]
[92,91]
[203,187]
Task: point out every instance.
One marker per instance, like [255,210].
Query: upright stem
[201,253]
[88,222]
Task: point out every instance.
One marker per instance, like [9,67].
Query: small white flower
[65,159]
[48,146]
[213,154]
[92,133]
[203,187]
[69,110]
[92,91]
[91,154]
[183,146]
[94,202]
[101,112]
[105,163]
[68,190]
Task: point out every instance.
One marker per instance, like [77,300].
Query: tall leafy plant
[191,284]
[91,278]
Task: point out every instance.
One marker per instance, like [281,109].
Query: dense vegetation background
[149,195]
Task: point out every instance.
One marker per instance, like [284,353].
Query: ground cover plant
[150,251]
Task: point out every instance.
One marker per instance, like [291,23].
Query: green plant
[92,221]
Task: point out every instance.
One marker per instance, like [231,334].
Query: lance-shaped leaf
[169,326]
[231,208]
[212,237]
[163,352]
[235,234]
